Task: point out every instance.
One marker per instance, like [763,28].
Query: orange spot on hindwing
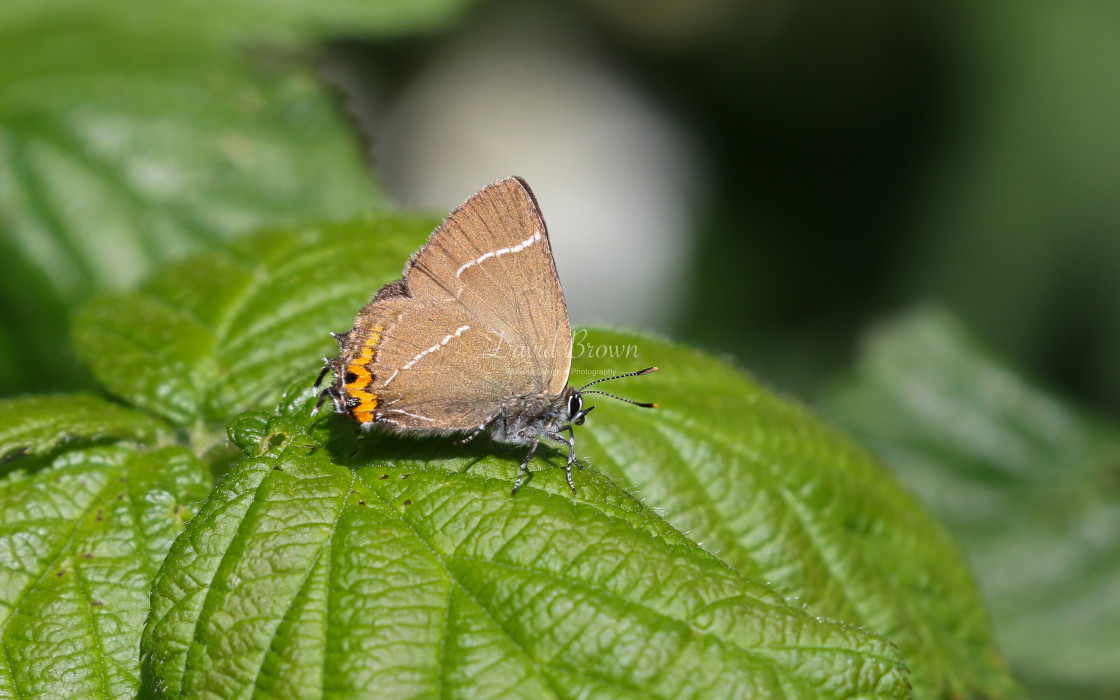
[359,376]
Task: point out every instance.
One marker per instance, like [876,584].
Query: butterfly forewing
[492,257]
[479,323]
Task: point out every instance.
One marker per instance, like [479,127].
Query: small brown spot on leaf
[384,476]
[404,476]
[100,515]
[87,555]
[95,603]
[407,502]
[361,503]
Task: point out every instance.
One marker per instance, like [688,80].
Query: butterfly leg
[325,392]
[470,437]
[570,441]
[479,429]
[323,373]
[329,391]
[524,467]
[319,403]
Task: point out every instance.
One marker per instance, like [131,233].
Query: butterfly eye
[575,403]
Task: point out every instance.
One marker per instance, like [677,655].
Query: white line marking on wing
[414,415]
[500,252]
[419,356]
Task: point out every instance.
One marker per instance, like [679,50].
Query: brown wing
[493,259]
[478,320]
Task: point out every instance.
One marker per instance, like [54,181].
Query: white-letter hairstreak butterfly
[474,336]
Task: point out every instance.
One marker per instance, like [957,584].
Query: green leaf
[36,425]
[785,498]
[121,149]
[763,484]
[1026,482]
[413,573]
[228,331]
[253,21]
[80,541]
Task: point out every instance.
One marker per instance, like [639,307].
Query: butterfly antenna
[647,370]
[636,403]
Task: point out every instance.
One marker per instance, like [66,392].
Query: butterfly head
[576,412]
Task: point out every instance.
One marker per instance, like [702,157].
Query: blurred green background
[768,180]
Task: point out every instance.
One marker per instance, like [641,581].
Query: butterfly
[474,336]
